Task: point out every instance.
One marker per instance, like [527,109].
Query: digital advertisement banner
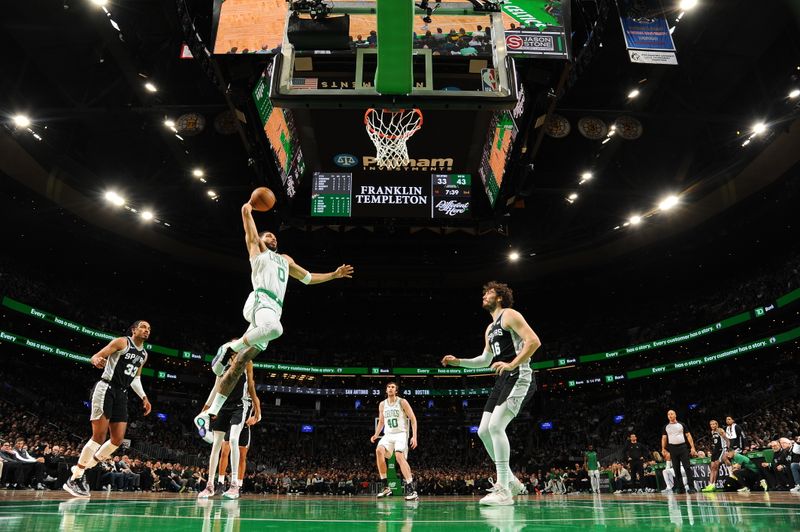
[646,32]
[541,28]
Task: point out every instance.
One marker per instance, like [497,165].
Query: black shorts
[717,455]
[229,416]
[108,401]
[519,386]
[244,436]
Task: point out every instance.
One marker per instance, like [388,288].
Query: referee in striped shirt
[674,439]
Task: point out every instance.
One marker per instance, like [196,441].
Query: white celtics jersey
[394,417]
[270,275]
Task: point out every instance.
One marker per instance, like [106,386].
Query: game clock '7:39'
[451,195]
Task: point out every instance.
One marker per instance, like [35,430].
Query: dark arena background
[629,168]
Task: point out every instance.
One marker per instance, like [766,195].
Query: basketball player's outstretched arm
[251,391]
[413,419]
[481,361]
[100,358]
[306,277]
[254,244]
[516,322]
[379,427]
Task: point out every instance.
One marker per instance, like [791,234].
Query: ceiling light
[745,143]
[668,203]
[211,193]
[759,128]
[169,123]
[586,176]
[147,215]
[573,196]
[115,198]
[608,139]
[633,94]
[686,5]
[197,172]
[635,219]
[795,93]
[150,87]
[101,3]
[22,121]
[513,256]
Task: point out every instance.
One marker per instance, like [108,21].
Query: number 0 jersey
[505,344]
[123,365]
[394,417]
[270,275]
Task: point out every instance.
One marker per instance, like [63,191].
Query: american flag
[304,83]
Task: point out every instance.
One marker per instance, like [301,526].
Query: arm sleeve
[136,386]
[482,361]
[22,458]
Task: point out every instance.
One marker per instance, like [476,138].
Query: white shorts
[260,311]
[397,442]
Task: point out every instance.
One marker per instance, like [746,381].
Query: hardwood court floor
[129,512]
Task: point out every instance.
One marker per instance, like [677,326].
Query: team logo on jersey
[345,160]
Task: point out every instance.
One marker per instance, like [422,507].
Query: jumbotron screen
[437,196]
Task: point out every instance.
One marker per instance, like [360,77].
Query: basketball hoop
[389,131]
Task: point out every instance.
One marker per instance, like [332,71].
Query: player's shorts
[229,416]
[515,389]
[718,454]
[244,436]
[397,442]
[109,401]
[260,309]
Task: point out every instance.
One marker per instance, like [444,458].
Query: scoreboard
[438,196]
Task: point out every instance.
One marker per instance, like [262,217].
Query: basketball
[262,199]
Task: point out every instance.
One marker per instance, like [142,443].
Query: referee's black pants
[637,473]
[680,457]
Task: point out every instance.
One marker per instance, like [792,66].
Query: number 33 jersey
[122,366]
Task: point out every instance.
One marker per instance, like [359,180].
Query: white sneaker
[386,492]
[517,487]
[220,362]
[501,496]
[763,484]
[795,489]
[233,491]
[668,490]
[744,490]
[206,493]
[203,423]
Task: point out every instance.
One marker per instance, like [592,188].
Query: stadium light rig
[794,94]
[115,198]
[633,94]
[147,216]
[586,176]
[513,256]
[668,203]
[687,5]
[759,128]
[21,121]
[635,219]
[150,87]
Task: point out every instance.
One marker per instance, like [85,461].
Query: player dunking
[270,275]
[510,343]
[394,414]
[719,446]
[121,361]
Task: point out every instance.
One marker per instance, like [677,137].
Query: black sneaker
[219,489]
[411,491]
[76,489]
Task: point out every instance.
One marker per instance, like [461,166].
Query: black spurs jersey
[122,366]
[504,344]
[239,393]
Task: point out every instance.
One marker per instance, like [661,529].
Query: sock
[503,473]
[86,459]
[105,451]
[238,345]
[216,404]
[383,476]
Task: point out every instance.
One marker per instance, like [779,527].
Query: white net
[389,131]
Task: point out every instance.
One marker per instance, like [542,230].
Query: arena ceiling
[80,75]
